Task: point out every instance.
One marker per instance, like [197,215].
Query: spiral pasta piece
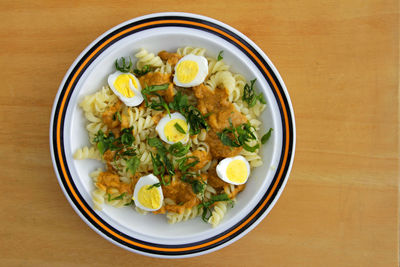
[145,162]
[240,82]
[257,109]
[253,158]
[229,189]
[215,66]
[218,213]
[120,166]
[87,153]
[133,114]
[226,79]
[203,146]
[94,174]
[165,68]
[146,58]
[201,137]
[209,191]
[187,214]
[98,102]
[98,196]
[184,51]
[116,199]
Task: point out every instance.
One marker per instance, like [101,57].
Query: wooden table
[340,62]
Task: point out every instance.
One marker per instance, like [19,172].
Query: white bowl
[151,235]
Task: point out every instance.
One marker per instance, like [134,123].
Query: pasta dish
[178,133]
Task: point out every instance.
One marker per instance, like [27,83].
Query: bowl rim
[274,79]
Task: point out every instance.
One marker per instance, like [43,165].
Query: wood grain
[340,62]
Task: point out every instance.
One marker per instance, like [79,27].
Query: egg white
[162,123]
[223,164]
[137,99]
[144,181]
[201,74]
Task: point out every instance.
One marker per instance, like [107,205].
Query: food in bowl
[178,134]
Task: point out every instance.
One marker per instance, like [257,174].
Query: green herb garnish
[117,115]
[109,142]
[179,128]
[143,71]
[119,197]
[129,203]
[180,102]
[193,116]
[178,149]
[156,142]
[104,142]
[122,65]
[129,152]
[196,120]
[154,185]
[220,55]
[183,165]
[160,104]
[250,96]
[151,90]
[161,162]
[127,137]
[165,182]
[206,205]
[266,136]
[198,185]
[132,164]
[238,136]
[158,166]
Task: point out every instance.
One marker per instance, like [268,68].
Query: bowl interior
[154,228]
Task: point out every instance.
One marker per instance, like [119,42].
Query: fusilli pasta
[87,153]
[215,66]
[98,196]
[191,50]
[191,213]
[146,58]
[226,79]
[115,186]
[218,213]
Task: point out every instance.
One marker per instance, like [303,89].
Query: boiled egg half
[191,70]
[147,197]
[127,87]
[173,129]
[234,170]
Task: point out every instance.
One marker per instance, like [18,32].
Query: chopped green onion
[122,65]
[266,136]
[220,55]
[119,197]
[179,128]
[143,71]
[132,164]
[249,95]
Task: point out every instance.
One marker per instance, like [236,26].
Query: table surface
[340,62]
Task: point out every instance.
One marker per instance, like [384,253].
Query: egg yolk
[149,198]
[236,171]
[122,85]
[187,71]
[171,130]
